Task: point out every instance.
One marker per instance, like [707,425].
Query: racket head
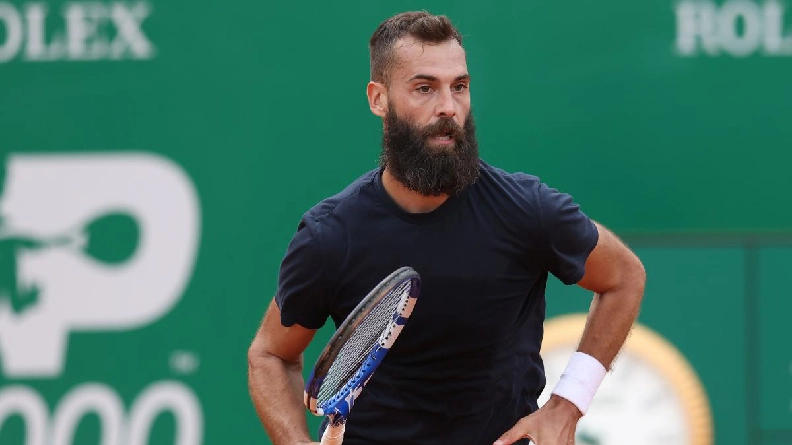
[340,373]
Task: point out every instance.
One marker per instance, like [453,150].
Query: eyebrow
[434,78]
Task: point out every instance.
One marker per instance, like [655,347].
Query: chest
[471,271]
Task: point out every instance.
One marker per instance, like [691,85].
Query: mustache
[444,125]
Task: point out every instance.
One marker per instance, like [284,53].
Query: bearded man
[466,370]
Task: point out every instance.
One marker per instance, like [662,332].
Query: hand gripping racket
[357,348]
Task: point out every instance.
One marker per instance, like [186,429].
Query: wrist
[580,380]
[558,403]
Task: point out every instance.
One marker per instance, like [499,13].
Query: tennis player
[466,369]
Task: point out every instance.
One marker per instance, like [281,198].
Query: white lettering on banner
[51,203]
[37,48]
[87,398]
[26,403]
[739,28]
[130,37]
[91,242]
[80,33]
[13,30]
[117,427]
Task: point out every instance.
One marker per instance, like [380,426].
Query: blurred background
[156,157]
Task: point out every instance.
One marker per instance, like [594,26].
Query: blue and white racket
[357,348]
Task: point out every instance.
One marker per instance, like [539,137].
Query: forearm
[610,319]
[276,388]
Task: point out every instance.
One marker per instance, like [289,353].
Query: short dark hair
[421,25]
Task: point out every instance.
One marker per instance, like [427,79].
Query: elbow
[262,360]
[640,273]
[637,278]
[261,364]
[257,356]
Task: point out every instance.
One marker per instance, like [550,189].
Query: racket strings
[362,341]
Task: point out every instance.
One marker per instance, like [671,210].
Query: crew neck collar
[417,218]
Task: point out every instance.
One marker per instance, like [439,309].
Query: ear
[378,98]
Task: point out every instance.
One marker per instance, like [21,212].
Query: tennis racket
[357,348]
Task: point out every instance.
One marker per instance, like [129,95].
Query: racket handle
[333,434]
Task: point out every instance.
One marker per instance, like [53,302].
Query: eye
[424,89]
[460,87]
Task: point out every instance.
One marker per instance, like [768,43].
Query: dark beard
[424,169]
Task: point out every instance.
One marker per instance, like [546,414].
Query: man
[466,369]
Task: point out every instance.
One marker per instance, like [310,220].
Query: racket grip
[333,434]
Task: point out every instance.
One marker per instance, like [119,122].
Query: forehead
[437,59]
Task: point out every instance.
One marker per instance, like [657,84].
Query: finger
[508,440]
[517,432]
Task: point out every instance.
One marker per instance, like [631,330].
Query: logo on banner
[35,31]
[91,243]
[738,28]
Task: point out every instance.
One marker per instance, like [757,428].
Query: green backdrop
[668,121]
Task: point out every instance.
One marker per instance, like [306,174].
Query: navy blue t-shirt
[467,365]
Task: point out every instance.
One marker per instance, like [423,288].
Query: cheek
[463,109]
[464,102]
[418,102]
[416,109]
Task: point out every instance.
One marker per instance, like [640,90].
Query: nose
[446,106]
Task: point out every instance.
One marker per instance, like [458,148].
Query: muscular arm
[617,278]
[275,379]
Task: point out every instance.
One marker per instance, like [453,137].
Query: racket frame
[339,406]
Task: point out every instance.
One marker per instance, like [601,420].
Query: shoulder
[511,181]
[342,200]
[522,196]
[522,188]
[513,191]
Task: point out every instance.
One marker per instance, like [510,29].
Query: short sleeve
[302,292]
[569,233]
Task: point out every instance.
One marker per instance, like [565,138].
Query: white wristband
[580,380]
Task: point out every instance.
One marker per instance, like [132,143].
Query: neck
[408,200]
